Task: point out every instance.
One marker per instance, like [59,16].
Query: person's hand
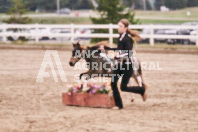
[111,54]
[101,47]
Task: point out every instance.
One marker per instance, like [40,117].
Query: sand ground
[29,106]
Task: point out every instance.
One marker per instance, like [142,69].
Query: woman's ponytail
[133,34]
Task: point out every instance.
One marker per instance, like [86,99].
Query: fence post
[72,32]
[36,32]
[110,33]
[151,38]
[4,33]
[197,36]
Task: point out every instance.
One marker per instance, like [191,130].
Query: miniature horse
[94,61]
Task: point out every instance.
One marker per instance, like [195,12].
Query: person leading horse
[125,44]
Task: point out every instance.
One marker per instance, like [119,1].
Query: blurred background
[85,12]
[169,50]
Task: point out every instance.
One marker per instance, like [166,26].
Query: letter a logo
[48,61]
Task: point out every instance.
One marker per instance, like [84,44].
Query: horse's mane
[97,45]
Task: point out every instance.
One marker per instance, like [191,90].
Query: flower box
[89,94]
[87,99]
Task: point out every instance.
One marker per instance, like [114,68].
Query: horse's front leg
[81,75]
[87,74]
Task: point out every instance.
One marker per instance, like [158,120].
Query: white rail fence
[109,35]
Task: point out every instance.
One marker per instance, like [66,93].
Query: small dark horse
[94,61]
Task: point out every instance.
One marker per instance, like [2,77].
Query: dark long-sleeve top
[125,44]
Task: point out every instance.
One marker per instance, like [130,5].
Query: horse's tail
[140,68]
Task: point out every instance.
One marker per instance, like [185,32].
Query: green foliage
[137,4]
[45,5]
[158,3]
[78,4]
[61,20]
[42,5]
[16,12]
[148,6]
[18,8]
[18,20]
[16,16]
[112,12]
[175,4]
[192,3]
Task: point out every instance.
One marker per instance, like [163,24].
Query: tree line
[46,6]
[155,4]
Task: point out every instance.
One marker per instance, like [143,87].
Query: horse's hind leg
[132,94]
[138,80]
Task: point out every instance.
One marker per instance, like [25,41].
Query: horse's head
[76,54]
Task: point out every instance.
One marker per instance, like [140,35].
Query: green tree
[137,4]
[192,3]
[112,12]
[79,4]
[175,4]
[158,3]
[148,5]
[16,12]
[45,5]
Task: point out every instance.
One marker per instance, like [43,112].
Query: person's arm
[103,47]
[108,48]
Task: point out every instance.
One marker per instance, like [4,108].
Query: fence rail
[110,35]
